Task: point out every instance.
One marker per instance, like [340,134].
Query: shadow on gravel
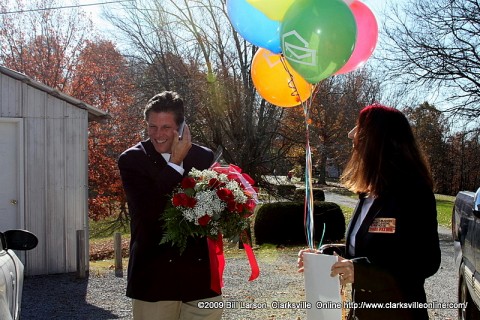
[61,296]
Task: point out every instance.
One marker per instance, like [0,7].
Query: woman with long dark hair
[392,241]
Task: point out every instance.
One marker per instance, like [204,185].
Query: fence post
[118,255]
[81,267]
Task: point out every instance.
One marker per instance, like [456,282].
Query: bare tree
[434,45]
[431,129]
[464,148]
[42,42]
[191,47]
[333,111]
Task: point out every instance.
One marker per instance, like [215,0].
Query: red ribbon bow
[217,262]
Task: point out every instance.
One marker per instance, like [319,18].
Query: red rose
[213,183]
[188,183]
[191,202]
[250,205]
[239,207]
[180,199]
[203,221]
[231,206]
[225,194]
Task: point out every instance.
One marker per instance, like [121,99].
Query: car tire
[470,311]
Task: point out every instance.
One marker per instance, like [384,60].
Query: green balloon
[318,37]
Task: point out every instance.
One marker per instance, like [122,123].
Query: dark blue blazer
[158,272]
[392,266]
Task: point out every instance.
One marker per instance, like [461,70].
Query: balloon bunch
[316,38]
[301,43]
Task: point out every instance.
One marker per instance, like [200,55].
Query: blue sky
[94,7]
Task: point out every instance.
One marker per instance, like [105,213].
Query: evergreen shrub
[318,194]
[285,190]
[282,223]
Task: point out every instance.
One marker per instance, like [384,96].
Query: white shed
[44,170]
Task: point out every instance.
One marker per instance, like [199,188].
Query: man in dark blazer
[163,283]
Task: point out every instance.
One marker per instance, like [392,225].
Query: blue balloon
[254,26]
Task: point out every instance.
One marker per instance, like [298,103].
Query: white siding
[36,178]
[55,156]
[10,98]
[56,180]
[76,181]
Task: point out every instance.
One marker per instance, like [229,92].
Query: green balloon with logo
[318,37]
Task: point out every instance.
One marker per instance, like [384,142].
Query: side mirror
[19,240]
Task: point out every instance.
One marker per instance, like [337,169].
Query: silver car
[11,271]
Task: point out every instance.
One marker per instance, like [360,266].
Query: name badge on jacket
[382,225]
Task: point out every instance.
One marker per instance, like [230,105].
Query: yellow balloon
[273,9]
[277,82]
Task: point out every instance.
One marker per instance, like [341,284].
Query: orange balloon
[277,82]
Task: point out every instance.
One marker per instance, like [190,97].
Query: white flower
[208,203]
[222,177]
[215,228]
[237,191]
[206,175]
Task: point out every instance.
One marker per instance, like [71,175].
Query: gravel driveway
[102,296]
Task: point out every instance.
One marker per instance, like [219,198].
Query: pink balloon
[367,37]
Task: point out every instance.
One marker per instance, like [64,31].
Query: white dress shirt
[367,203]
[178,168]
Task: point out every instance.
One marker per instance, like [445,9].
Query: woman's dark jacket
[396,249]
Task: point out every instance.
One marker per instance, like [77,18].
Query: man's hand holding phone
[180,130]
[181,145]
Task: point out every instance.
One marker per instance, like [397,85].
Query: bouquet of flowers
[214,203]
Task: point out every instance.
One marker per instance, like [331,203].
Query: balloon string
[321,239]
[309,223]
[291,82]
[308,205]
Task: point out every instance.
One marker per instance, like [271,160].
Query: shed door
[10,173]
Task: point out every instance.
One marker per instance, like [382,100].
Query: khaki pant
[176,310]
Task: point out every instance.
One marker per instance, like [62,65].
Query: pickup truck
[466,237]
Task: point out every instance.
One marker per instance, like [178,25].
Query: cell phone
[180,130]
